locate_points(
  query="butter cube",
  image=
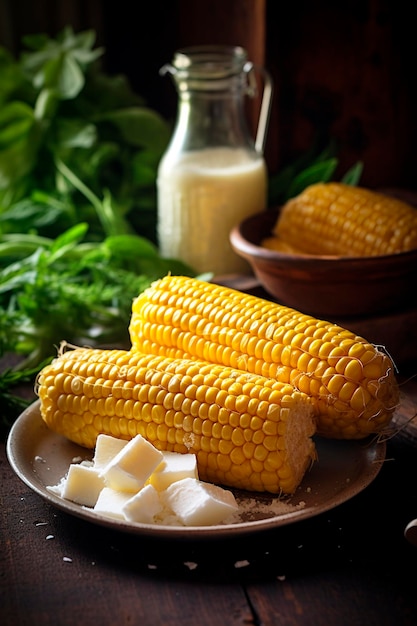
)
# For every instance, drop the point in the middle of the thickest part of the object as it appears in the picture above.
(197, 503)
(111, 502)
(82, 485)
(132, 466)
(144, 506)
(174, 467)
(106, 449)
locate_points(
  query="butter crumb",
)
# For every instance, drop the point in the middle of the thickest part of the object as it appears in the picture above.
(243, 563)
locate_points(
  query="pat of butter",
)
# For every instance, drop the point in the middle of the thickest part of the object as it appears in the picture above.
(132, 466)
(135, 482)
(197, 503)
(82, 485)
(111, 502)
(144, 506)
(174, 467)
(106, 449)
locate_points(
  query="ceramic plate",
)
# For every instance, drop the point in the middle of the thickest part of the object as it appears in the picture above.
(344, 468)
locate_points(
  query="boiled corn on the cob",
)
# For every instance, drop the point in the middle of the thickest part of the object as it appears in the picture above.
(338, 219)
(351, 383)
(246, 431)
(279, 245)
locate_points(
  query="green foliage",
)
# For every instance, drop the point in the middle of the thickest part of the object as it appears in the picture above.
(57, 106)
(79, 153)
(72, 289)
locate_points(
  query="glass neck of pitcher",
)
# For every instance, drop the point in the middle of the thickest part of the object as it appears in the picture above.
(211, 82)
(212, 117)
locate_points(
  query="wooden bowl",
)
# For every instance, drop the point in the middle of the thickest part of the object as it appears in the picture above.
(327, 286)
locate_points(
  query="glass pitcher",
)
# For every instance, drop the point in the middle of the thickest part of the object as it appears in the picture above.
(213, 174)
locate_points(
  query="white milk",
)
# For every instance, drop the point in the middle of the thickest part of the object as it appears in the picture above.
(201, 197)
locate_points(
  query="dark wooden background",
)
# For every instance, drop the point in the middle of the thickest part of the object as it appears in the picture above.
(342, 70)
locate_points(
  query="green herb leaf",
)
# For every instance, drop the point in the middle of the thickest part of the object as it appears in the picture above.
(353, 175)
(140, 127)
(60, 64)
(319, 172)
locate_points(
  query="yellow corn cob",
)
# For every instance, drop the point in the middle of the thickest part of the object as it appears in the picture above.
(338, 219)
(352, 383)
(247, 432)
(279, 245)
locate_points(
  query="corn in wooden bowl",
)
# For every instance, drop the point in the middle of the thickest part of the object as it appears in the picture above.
(328, 260)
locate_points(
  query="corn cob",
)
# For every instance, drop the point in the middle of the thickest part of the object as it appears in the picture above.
(246, 431)
(338, 219)
(352, 383)
(279, 245)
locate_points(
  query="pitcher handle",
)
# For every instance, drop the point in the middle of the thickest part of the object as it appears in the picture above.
(266, 103)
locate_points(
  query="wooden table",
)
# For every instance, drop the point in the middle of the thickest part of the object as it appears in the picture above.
(349, 566)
